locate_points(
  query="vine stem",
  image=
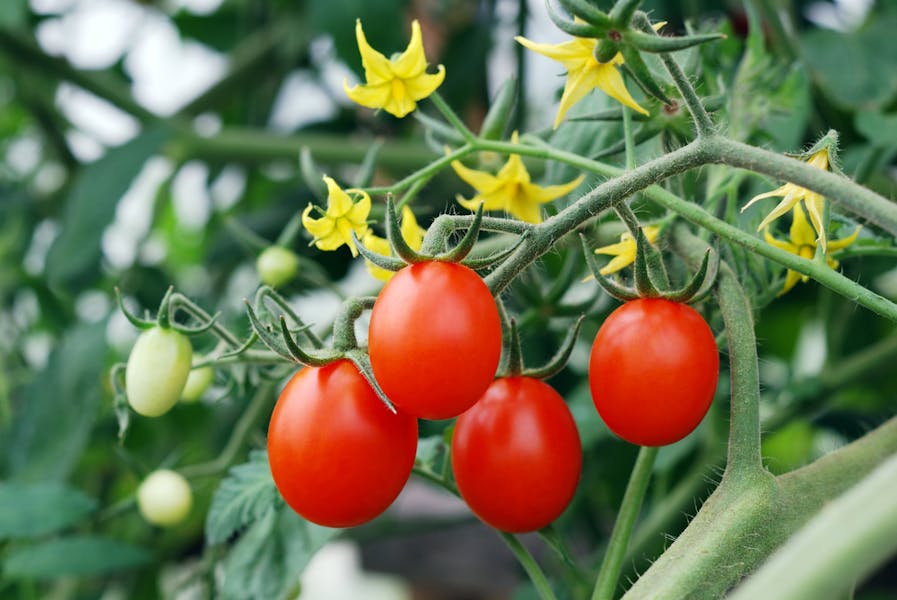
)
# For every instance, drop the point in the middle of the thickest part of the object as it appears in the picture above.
(609, 574)
(452, 117)
(529, 564)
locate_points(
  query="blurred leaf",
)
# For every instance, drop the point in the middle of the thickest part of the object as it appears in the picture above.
(58, 407)
(77, 555)
(789, 447)
(245, 496)
(90, 207)
(856, 69)
(431, 452)
(30, 510)
(268, 559)
(878, 128)
(13, 13)
(382, 22)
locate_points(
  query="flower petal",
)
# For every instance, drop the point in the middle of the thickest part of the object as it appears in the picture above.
(575, 89)
(573, 54)
(412, 62)
(411, 232)
(801, 232)
(790, 200)
(520, 206)
(845, 242)
(815, 204)
(318, 228)
(791, 279)
(609, 80)
(479, 180)
(542, 194)
(424, 84)
(377, 68)
(780, 244)
(371, 96)
(618, 263)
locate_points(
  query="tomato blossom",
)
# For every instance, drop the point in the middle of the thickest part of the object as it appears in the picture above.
(412, 233)
(803, 243)
(342, 217)
(792, 195)
(623, 252)
(510, 189)
(394, 85)
(584, 73)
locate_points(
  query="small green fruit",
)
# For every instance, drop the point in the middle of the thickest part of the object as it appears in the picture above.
(157, 371)
(277, 266)
(164, 498)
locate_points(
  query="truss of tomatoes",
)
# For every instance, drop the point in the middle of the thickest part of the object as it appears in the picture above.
(340, 457)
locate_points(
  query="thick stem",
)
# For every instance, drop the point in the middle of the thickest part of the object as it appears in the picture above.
(609, 574)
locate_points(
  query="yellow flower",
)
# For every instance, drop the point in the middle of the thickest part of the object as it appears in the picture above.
(342, 217)
(623, 252)
(584, 73)
(394, 85)
(803, 243)
(510, 190)
(411, 233)
(791, 197)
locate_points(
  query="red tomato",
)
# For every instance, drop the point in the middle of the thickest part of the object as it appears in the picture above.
(653, 371)
(435, 339)
(338, 455)
(516, 455)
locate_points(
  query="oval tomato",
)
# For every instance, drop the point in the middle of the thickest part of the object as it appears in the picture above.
(435, 339)
(516, 455)
(338, 455)
(653, 371)
(164, 498)
(157, 371)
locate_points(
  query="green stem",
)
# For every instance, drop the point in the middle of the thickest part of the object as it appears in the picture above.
(424, 173)
(529, 564)
(452, 117)
(609, 574)
(629, 138)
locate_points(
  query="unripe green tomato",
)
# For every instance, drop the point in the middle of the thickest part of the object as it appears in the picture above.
(277, 265)
(164, 498)
(198, 381)
(157, 371)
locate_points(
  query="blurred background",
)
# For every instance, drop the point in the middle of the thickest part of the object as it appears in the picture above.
(153, 143)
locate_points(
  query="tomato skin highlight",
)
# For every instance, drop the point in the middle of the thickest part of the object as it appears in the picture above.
(339, 457)
(516, 455)
(653, 371)
(434, 339)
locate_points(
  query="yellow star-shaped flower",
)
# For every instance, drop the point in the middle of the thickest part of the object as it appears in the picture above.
(803, 244)
(510, 189)
(623, 252)
(411, 233)
(792, 195)
(342, 217)
(394, 85)
(584, 73)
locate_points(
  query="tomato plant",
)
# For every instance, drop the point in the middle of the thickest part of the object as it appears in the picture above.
(157, 370)
(339, 457)
(516, 455)
(435, 339)
(276, 266)
(164, 498)
(653, 371)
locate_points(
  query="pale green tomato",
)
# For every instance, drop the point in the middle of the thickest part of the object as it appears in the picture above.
(164, 498)
(157, 371)
(198, 381)
(277, 265)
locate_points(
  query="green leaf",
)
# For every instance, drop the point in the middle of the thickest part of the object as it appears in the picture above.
(58, 407)
(878, 128)
(13, 13)
(29, 510)
(72, 556)
(247, 495)
(90, 207)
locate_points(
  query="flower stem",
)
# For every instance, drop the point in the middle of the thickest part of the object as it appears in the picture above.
(609, 574)
(452, 117)
(529, 564)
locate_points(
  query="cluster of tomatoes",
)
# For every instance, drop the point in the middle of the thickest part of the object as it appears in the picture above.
(340, 457)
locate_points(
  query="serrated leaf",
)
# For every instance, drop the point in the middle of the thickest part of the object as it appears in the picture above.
(90, 207)
(73, 556)
(59, 407)
(245, 496)
(29, 510)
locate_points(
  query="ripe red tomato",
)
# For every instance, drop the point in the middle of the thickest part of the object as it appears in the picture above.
(653, 371)
(516, 455)
(434, 339)
(338, 455)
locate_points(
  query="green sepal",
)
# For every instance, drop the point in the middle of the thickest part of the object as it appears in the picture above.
(513, 364)
(195, 330)
(643, 280)
(266, 334)
(362, 362)
(656, 269)
(651, 42)
(390, 263)
(164, 314)
(622, 12)
(636, 66)
(583, 30)
(499, 115)
(317, 359)
(588, 12)
(463, 248)
(312, 174)
(120, 399)
(613, 288)
(605, 50)
(132, 318)
(700, 284)
(557, 362)
(267, 292)
(253, 337)
(394, 235)
(368, 165)
(828, 142)
(344, 325)
(493, 259)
